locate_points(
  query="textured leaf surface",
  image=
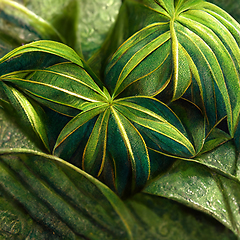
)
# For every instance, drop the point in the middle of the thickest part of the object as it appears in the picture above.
(11, 136)
(201, 188)
(159, 218)
(20, 25)
(73, 204)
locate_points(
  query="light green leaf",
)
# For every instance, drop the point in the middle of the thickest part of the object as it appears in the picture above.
(46, 46)
(95, 150)
(198, 187)
(19, 25)
(30, 114)
(159, 218)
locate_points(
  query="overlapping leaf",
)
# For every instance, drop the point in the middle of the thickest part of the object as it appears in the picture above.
(199, 187)
(30, 114)
(117, 136)
(63, 87)
(197, 46)
(59, 197)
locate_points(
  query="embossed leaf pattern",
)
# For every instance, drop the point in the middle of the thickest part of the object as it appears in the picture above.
(160, 116)
(203, 189)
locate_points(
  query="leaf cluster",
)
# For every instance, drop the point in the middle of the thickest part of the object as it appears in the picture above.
(155, 109)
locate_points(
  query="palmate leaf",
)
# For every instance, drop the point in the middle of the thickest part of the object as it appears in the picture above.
(112, 141)
(198, 46)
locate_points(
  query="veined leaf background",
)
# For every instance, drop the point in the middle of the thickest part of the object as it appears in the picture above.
(43, 197)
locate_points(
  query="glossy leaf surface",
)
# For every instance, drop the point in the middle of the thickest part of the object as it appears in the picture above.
(63, 87)
(198, 46)
(118, 136)
(31, 115)
(201, 188)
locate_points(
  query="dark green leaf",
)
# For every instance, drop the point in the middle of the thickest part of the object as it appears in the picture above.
(64, 87)
(193, 121)
(199, 44)
(61, 197)
(164, 132)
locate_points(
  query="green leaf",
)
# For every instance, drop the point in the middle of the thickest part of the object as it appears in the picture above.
(64, 87)
(193, 121)
(136, 148)
(95, 149)
(199, 45)
(215, 138)
(46, 46)
(160, 218)
(41, 26)
(221, 51)
(11, 136)
(115, 141)
(70, 137)
(164, 133)
(30, 114)
(203, 189)
(142, 58)
(73, 204)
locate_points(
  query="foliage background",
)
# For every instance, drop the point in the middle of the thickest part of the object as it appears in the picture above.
(157, 218)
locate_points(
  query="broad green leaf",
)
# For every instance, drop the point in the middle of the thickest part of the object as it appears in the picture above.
(115, 141)
(70, 137)
(199, 44)
(60, 197)
(159, 218)
(11, 136)
(215, 138)
(198, 187)
(30, 114)
(123, 28)
(143, 58)
(222, 158)
(64, 87)
(221, 52)
(160, 125)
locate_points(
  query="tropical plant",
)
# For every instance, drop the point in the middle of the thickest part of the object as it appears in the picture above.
(135, 136)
